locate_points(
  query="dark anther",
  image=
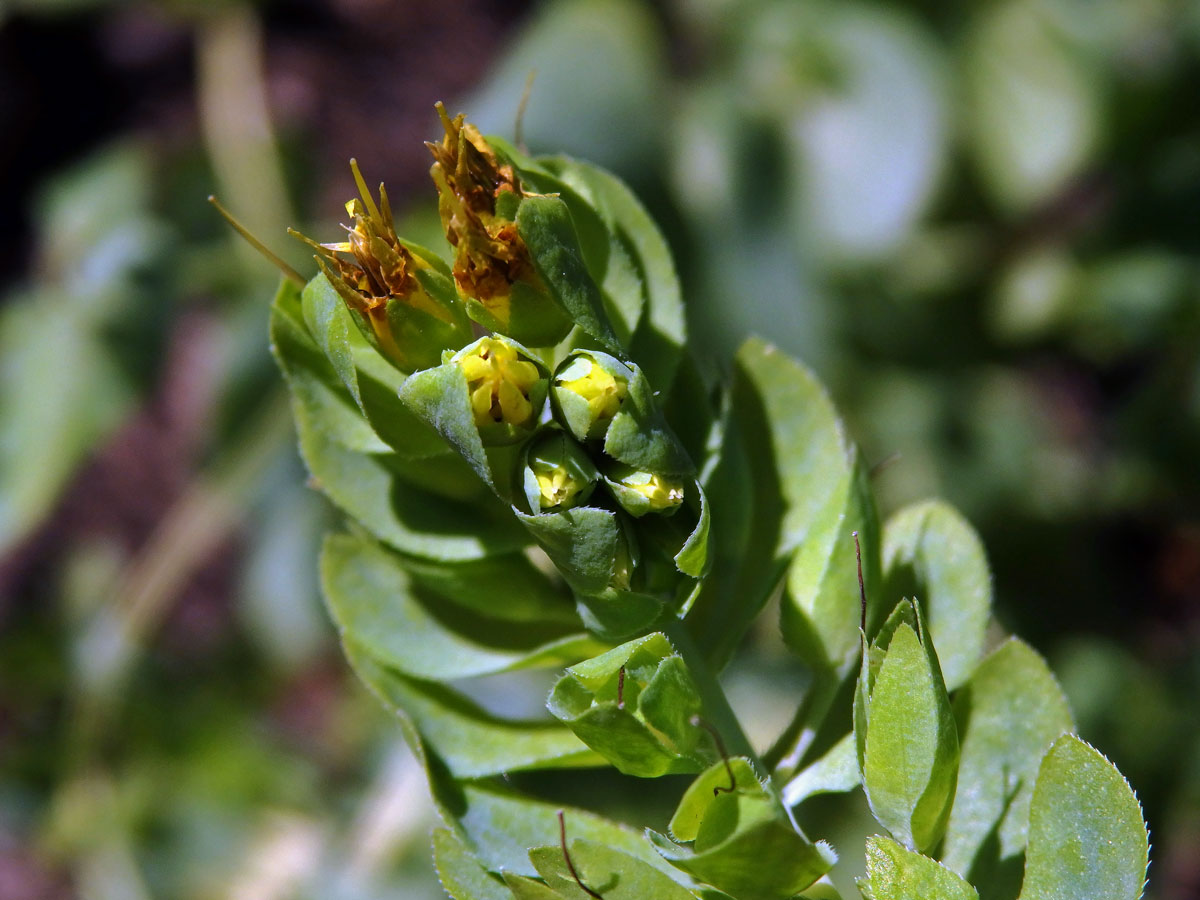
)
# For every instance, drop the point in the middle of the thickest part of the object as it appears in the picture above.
(698, 722)
(862, 590)
(562, 837)
(621, 688)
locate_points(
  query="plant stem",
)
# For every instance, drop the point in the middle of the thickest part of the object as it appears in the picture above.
(786, 754)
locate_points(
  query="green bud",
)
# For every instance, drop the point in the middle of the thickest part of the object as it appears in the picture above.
(640, 492)
(588, 390)
(634, 705)
(558, 474)
(904, 730)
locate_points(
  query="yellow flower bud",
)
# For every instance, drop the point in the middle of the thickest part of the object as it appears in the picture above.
(640, 492)
(589, 389)
(559, 474)
(500, 383)
(662, 493)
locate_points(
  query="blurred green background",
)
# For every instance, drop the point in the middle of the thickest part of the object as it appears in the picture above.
(978, 221)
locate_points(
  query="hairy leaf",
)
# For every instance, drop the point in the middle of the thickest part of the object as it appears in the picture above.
(910, 759)
(931, 552)
(894, 873)
(1009, 713)
(1086, 833)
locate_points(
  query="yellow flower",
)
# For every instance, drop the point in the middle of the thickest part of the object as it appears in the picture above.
(499, 382)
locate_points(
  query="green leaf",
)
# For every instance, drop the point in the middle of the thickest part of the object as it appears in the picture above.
(911, 752)
(611, 873)
(1035, 109)
(439, 398)
(639, 435)
(348, 462)
(633, 705)
(469, 740)
(894, 873)
(698, 799)
(825, 498)
(517, 590)
(582, 543)
(638, 262)
(788, 473)
(333, 329)
(931, 552)
(461, 874)
(1087, 837)
(500, 826)
(61, 393)
(742, 841)
(1009, 713)
(323, 355)
(376, 605)
(834, 773)
(527, 889)
(694, 558)
(545, 225)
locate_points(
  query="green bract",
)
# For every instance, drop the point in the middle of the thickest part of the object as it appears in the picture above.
(595, 514)
(907, 742)
(634, 705)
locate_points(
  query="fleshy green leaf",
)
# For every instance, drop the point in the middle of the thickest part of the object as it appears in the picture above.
(634, 705)
(1009, 713)
(527, 889)
(742, 842)
(911, 752)
(439, 397)
(638, 262)
(931, 552)
(639, 435)
(545, 225)
(517, 590)
(331, 327)
(834, 773)
(350, 464)
(1087, 837)
(500, 826)
(825, 499)
(894, 873)
(471, 741)
(324, 355)
(612, 874)
(788, 472)
(461, 874)
(377, 606)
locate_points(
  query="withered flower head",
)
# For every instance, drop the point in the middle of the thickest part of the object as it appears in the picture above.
(470, 179)
(372, 270)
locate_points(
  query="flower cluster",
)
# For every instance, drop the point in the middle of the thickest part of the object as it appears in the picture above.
(600, 448)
